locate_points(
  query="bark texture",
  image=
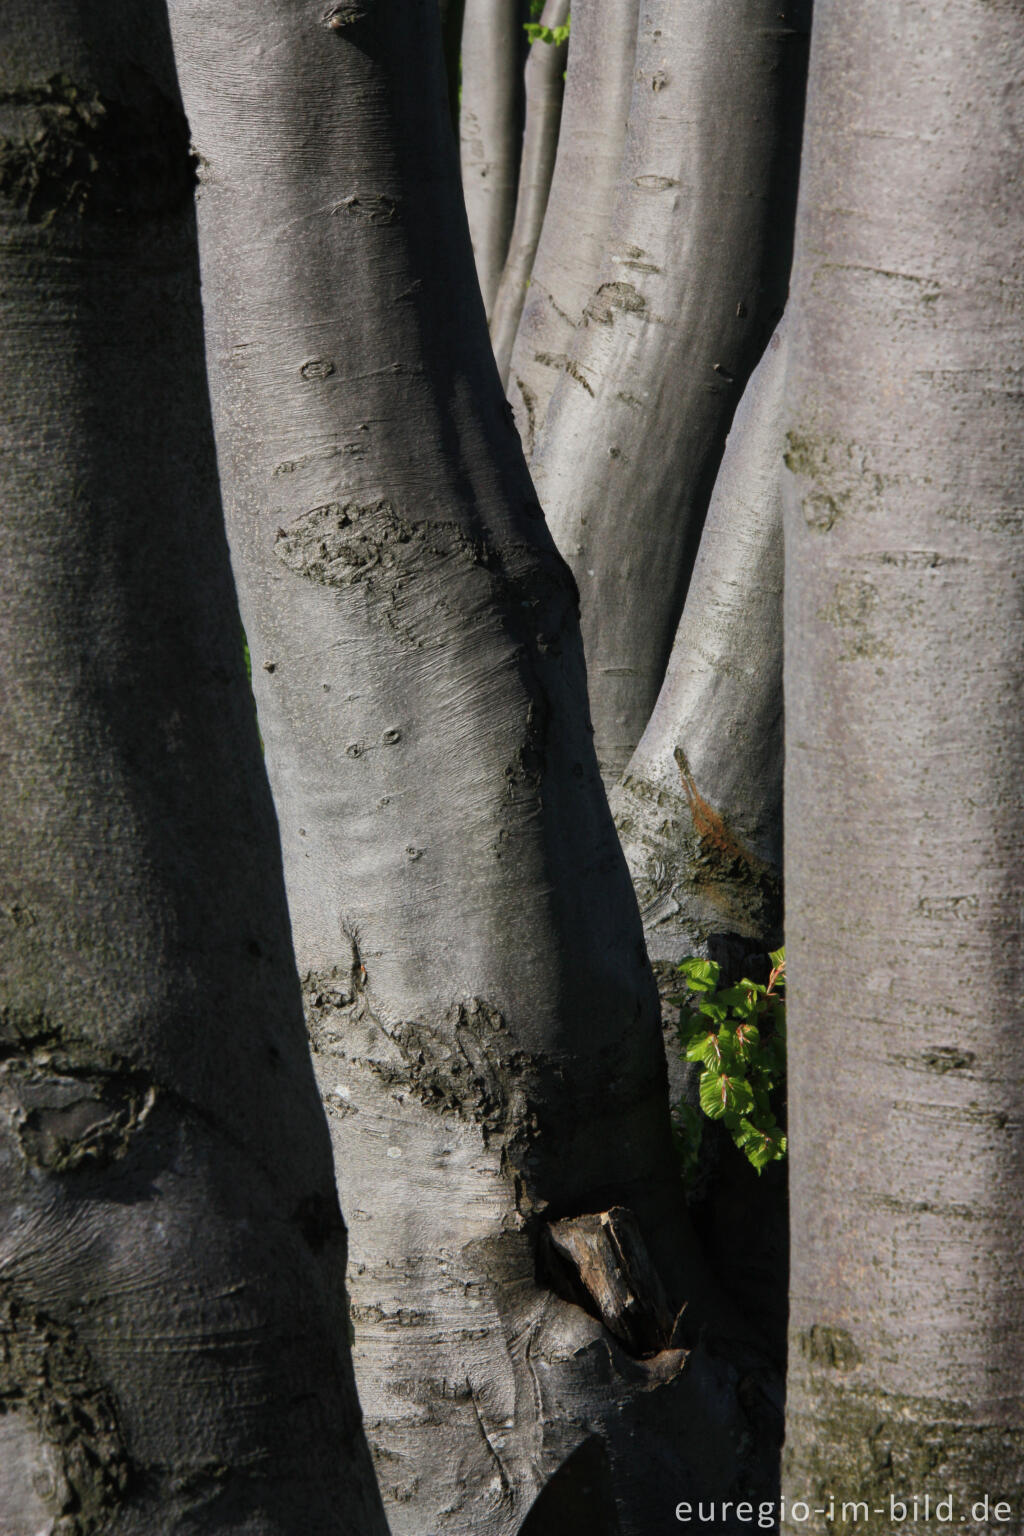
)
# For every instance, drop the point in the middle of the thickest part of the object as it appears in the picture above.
(693, 281)
(491, 119)
(484, 1019)
(905, 761)
(699, 807)
(699, 813)
(544, 77)
(173, 1350)
(598, 87)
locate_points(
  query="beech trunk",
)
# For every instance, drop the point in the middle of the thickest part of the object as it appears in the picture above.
(692, 283)
(491, 120)
(905, 765)
(545, 72)
(485, 1022)
(173, 1351)
(598, 86)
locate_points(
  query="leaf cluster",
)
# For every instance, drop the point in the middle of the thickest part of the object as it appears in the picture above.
(738, 1035)
(541, 34)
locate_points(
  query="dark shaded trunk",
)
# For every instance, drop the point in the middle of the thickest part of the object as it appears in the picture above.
(693, 281)
(584, 183)
(485, 1022)
(545, 70)
(172, 1303)
(905, 766)
(491, 120)
(452, 16)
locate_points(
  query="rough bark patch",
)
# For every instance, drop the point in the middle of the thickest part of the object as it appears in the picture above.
(46, 1373)
(860, 1443)
(65, 149)
(69, 1106)
(426, 580)
(610, 297)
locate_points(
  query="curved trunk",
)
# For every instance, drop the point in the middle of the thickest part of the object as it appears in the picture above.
(598, 86)
(699, 808)
(905, 761)
(171, 1253)
(699, 813)
(484, 1018)
(693, 281)
(491, 129)
(545, 71)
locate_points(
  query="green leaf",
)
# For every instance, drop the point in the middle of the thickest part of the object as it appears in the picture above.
(748, 1039)
(777, 956)
(704, 1047)
(701, 975)
(714, 1010)
(722, 1094)
(541, 34)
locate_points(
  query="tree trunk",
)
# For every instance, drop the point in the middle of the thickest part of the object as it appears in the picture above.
(699, 813)
(485, 1022)
(693, 281)
(699, 808)
(491, 129)
(545, 71)
(172, 1305)
(598, 86)
(905, 765)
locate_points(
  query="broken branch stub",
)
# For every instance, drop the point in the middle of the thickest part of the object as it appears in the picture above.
(601, 1263)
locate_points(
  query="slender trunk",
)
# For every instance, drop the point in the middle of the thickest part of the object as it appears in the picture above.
(598, 87)
(905, 765)
(452, 16)
(172, 1304)
(485, 1022)
(491, 129)
(699, 808)
(699, 813)
(693, 281)
(545, 71)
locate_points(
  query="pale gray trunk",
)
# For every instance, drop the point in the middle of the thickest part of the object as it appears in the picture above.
(491, 129)
(598, 87)
(485, 1022)
(173, 1352)
(905, 765)
(693, 281)
(545, 70)
(699, 807)
(699, 813)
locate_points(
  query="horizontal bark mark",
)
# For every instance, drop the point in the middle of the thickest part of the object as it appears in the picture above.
(427, 580)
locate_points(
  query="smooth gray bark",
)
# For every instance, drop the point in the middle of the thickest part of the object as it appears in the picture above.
(545, 71)
(485, 1022)
(173, 1351)
(693, 281)
(494, 51)
(699, 813)
(598, 87)
(905, 763)
(699, 807)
